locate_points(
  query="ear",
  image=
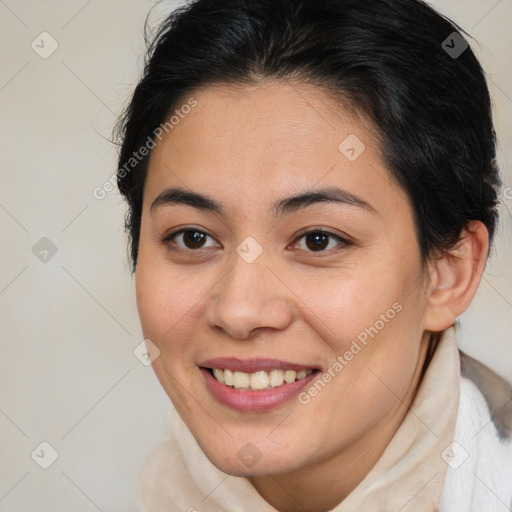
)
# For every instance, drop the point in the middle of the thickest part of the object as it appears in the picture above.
(454, 277)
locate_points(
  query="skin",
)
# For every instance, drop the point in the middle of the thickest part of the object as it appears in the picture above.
(247, 147)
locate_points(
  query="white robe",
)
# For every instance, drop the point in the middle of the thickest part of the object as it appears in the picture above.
(452, 453)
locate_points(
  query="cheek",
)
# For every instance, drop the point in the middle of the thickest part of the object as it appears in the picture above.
(165, 301)
(165, 305)
(343, 303)
(372, 319)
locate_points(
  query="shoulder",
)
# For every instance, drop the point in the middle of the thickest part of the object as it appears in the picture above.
(496, 391)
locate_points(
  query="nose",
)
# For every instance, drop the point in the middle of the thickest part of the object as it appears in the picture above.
(251, 296)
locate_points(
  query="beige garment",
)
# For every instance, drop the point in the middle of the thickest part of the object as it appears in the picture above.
(409, 476)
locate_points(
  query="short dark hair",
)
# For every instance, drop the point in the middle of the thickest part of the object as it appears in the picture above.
(386, 59)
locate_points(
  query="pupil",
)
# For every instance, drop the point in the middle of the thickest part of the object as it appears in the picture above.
(317, 237)
(194, 238)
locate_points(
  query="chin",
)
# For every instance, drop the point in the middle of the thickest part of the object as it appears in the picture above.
(250, 461)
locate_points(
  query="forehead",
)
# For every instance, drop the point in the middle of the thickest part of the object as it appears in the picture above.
(269, 140)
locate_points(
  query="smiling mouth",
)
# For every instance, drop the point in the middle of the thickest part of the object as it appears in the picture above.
(257, 381)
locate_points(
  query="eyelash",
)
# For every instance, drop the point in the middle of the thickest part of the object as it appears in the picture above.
(343, 242)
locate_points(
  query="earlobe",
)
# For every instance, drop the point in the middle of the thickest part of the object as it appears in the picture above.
(455, 276)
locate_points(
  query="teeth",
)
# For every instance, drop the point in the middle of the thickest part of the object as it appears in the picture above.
(259, 380)
(219, 375)
(228, 377)
(241, 380)
(276, 378)
(290, 375)
(301, 374)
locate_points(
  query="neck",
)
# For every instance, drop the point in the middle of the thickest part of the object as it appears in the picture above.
(322, 486)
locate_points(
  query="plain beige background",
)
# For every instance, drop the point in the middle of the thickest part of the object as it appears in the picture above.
(68, 320)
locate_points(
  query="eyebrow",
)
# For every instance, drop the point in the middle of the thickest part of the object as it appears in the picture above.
(281, 207)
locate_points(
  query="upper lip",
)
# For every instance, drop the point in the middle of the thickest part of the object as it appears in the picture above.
(253, 365)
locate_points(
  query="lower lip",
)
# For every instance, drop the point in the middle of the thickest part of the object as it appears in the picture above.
(254, 401)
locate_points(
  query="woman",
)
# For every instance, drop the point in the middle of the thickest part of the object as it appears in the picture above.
(312, 197)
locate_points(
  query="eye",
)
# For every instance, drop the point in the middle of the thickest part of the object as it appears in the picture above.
(191, 238)
(317, 240)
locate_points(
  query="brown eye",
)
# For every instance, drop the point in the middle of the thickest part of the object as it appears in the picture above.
(186, 240)
(319, 241)
(193, 239)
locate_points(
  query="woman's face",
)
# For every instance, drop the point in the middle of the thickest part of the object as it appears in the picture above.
(243, 289)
